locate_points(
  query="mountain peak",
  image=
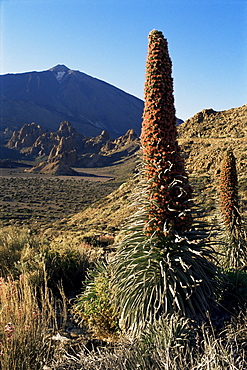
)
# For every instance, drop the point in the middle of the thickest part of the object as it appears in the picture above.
(60, 70)
(62, 94)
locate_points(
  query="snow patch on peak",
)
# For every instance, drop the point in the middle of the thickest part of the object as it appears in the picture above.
(59, 75)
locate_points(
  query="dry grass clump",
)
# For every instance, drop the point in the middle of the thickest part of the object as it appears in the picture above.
(28, 319)
(28, 251)
(14, 244)
(171, 344)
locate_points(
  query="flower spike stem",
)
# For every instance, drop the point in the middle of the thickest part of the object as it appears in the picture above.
(168, 190)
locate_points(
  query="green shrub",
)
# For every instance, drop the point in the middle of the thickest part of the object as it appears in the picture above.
(236, 288)
(67, 264)
(94, 306)
(24, 251)
(15, 243)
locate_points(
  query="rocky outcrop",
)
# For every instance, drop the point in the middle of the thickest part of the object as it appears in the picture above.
(209, 123)
(94, 144)
(31, 140)
(25, 137)
(65, 129)
(64, 152)
(126, 139)
(61, 157)
(120, 142)
(67, 148)
(55, 168)
(43, 145)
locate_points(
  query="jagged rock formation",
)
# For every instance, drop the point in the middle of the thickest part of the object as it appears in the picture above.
(26, 136)
(203, 138)
(65, 152)
(94, 144)
(33, 141)
(103, 144)
(65, 147)
(109, 150)
(116, 144)
(61, 157)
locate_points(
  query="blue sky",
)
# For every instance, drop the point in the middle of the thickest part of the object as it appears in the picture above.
(107, 39)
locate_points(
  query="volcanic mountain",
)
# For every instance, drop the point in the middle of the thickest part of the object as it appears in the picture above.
(60, 94)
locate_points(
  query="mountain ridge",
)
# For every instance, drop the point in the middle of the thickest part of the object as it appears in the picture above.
(60, 94)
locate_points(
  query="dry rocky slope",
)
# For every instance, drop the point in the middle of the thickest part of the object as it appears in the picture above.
(203, 139)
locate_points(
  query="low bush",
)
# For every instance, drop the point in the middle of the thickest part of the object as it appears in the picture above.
(26, 251)
(94, 306)
(15, 244)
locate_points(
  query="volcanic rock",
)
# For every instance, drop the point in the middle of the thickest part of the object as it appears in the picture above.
(26, 136)
(55, 168)
(64, 152)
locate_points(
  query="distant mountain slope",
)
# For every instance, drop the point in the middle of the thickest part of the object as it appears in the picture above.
(60, 94)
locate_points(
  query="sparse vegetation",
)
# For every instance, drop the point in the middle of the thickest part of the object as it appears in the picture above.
(75, 293)
(42, 200)
(233, 231)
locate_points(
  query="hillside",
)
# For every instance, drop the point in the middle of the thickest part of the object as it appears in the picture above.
(205, 137)
(60, 94)
(203, 152)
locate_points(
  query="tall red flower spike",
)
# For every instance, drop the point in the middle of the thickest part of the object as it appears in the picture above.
(229, 192)
(167, 182)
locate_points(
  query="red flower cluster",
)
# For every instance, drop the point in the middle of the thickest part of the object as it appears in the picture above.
(168, 189)
(9, 330)
(229, 191)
